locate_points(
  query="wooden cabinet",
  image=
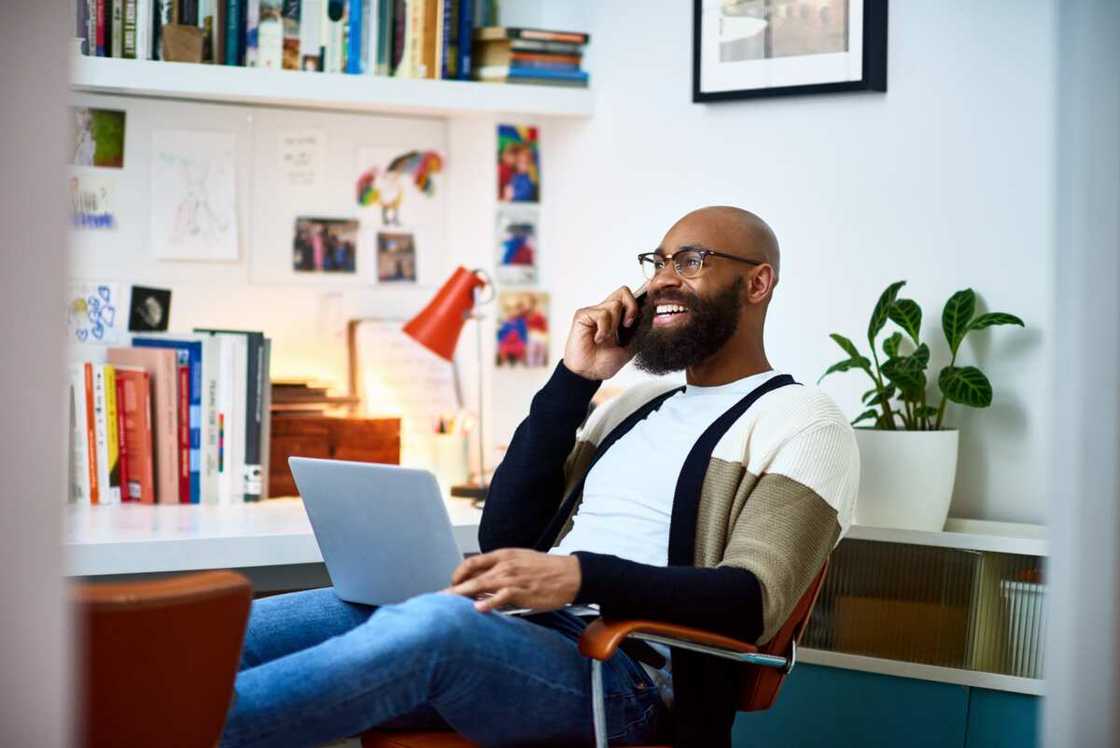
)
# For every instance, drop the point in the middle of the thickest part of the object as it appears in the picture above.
(329, 437)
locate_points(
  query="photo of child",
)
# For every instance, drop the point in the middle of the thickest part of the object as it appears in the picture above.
(522, 329)
(396, 257)
(516, 243)
(519, 178)
(325, 245)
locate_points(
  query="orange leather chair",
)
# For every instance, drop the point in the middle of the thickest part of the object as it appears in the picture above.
(157, 659)
(758, 685)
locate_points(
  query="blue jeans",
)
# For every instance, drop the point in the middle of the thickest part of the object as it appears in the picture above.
(315, 669)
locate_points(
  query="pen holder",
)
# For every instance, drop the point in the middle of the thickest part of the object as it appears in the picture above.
(450, 460)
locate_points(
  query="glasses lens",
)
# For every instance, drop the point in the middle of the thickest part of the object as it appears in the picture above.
(650, 265)
(688, 262)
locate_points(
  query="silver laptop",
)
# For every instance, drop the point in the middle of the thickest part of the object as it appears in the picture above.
(383, 530)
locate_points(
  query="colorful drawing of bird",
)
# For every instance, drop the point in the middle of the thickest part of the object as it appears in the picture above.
(385, 186)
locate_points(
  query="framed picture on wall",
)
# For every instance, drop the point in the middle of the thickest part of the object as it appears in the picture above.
(748, 48)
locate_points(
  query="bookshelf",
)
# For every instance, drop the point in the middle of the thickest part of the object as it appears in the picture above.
(323, 91)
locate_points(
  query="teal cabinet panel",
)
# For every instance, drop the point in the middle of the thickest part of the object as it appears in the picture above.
(997, 719)
(836, 708)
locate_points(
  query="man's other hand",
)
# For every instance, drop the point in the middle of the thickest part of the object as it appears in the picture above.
(518, 577)
(592, 350)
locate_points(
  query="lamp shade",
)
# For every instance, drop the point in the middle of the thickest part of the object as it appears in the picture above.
(438, 325)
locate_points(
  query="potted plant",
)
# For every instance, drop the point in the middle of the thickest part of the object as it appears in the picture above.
(908, 458)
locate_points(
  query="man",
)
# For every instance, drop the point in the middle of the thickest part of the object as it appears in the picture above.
(710, 505)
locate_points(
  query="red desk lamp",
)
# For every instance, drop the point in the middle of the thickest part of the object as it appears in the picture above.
(437, 327)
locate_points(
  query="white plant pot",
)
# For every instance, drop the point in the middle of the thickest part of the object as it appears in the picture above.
(906, 478)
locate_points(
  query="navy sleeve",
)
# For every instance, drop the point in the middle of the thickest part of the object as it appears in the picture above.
(724, 600)
(528, 486)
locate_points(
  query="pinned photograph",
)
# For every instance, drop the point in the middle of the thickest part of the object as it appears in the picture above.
(522, 329)
(325, 245)
(149, 309)
(97, 137)
(396, 257)
(519, 171)
(517, 246)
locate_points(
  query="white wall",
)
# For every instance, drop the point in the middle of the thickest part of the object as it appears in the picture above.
(34, 625)
(944, 181)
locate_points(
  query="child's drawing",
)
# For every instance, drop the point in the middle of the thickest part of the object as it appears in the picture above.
(194, 195)
(92, 313)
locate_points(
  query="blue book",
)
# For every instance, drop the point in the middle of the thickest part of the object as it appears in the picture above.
(190, 352)
(466, 36)
(235, 32)
(354, 41)
(518, 73)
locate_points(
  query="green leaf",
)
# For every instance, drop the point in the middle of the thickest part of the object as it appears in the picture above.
(873, 414)
(995, 318)
(890, 345)
(846, 365)
(882, 309)
(888, 393)
(870, 393)
(956, 316)
(927, 411)
(966, 385)
(908, 372)
(848, 346)
(908, 315)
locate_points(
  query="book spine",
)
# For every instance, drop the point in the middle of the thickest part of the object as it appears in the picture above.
(466, 34)
(384, 37)
(79, 442)
(184, 432)
(112, 434)
(355, 48)
(400, 38)
(443, 40)
(91, 27)
(91, 436)
(252, 32)
(130, 29)
(415, 41)
(311, 17)
(101, 435)
(167, 428)
(251, 477)
(118, 28)
(233, 31)
(101, 28)
(122, 441)
(266, 416)
(530, 65)
(369, 37)
(333, 33)
(81, 24)
(290, 18)
(143, 29)
(211, 360)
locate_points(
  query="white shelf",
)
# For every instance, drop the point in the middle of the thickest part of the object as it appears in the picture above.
(966, 534)
(146, 538)
(956, 676)
(329, 91)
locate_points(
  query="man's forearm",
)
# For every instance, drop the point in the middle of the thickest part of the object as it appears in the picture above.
(529, 484)
(725, 600)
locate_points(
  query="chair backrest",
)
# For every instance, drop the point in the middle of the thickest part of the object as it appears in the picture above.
(758, 686)
(157, 659)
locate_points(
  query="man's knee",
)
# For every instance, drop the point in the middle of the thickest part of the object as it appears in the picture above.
(438, 622)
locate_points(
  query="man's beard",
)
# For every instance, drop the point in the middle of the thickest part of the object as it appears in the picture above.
(711, 323)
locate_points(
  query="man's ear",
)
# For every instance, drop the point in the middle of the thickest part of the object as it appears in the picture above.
(760, 284)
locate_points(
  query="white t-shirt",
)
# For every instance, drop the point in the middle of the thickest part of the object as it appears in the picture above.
(628, 495)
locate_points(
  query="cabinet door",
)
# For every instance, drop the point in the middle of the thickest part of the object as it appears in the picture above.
(836, 708)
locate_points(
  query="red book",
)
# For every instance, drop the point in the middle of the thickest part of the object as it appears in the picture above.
(102, 36)
(91, 436)
(134, 403)
(184, 434)
(122, 441)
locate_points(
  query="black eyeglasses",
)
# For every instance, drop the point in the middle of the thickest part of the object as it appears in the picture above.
(688, 262)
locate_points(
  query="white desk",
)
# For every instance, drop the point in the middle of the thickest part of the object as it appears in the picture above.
(270, 541)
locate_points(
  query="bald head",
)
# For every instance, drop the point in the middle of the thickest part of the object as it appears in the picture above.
(735, 231)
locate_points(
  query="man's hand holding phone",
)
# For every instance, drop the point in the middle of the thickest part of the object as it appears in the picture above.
(593, 349)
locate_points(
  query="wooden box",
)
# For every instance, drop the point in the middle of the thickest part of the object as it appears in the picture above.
(329, 437)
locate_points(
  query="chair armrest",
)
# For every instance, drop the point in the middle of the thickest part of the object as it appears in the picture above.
(602, 637)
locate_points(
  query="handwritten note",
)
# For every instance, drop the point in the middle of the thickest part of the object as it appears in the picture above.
(301, 157)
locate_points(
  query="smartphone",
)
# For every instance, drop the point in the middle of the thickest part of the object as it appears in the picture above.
(626, 334)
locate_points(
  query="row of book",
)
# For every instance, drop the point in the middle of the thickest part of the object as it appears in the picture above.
(401, 38)
(174, 418)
